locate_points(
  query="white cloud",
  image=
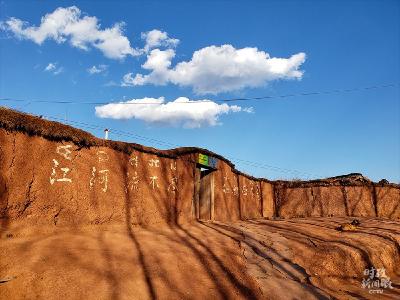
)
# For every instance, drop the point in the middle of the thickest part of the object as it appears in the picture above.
(217, 69)
(50, 67)
(83, 32)
(156, 38)
(97, 69)
(53, 68)
(159, 62)
(180, 112)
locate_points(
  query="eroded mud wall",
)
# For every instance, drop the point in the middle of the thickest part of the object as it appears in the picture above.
(311, 201)
(360, 201)
(268, 200)
(186, 187)
(293, 202)
(43, 181)
(328, 201)
(151, 183)
(226, 193)
(388, 202)
(250, 198)
(59, 183)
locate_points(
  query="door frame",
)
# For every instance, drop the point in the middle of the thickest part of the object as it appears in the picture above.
(196, 206)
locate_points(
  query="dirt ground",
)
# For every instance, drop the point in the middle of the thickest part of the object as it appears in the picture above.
(260, 259)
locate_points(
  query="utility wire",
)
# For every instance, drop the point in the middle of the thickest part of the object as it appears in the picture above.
(168, 144)
(159, 142)
(114, 131)
(273, 168)
(269, 97)
(163, 143)
(337, 91)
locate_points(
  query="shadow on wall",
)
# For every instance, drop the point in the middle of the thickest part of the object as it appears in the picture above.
(162, 194)
(4, 220)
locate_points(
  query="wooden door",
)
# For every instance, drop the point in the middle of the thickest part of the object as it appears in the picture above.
(205, 195)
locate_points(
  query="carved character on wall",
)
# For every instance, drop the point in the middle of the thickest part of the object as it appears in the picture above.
(172, 187)
(133, 181)
(53, 176)
(154, 163)
(153, 182)
(102, 155)
(134, 161)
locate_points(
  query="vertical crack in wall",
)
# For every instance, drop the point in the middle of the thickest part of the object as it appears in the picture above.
(55, 218)
(13, 154)
(375, 200)
(28, 198)
(276, 201)
(274, 210)
(346, 205)
(261, 198)
(279, 198)
(312, 202)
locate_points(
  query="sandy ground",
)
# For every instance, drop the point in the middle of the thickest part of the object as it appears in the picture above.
(260, 259)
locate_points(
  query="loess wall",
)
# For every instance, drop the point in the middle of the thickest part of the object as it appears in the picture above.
(250, 198)
(368, 200)
(388, 202)
(62, 183)
(226, 193)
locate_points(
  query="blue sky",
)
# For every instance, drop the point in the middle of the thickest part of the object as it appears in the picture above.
(319, 46)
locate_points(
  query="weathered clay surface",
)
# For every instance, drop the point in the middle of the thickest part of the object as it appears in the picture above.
(257, 259)
(294, 202)
(250, 198)
(329, 201)
(185, 191)
(388, 202)
(360, 201)
(59, 183)
(268, 203)
(226, 194)
(55, 174)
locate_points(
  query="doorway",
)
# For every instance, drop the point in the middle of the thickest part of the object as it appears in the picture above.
(204, 194)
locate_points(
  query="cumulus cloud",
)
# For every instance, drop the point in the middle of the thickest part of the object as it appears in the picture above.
(97, 69)
(156, 38)
(217, 69)
(83, 32)
(159, 62)
(180, 112)
(53, 68)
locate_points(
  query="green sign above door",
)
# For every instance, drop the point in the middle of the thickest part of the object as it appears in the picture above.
(207, 161)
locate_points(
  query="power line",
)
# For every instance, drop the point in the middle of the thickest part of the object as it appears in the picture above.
(168, 144)
(114, 131)
(268, 97)
(337, 91)
(273, 168)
